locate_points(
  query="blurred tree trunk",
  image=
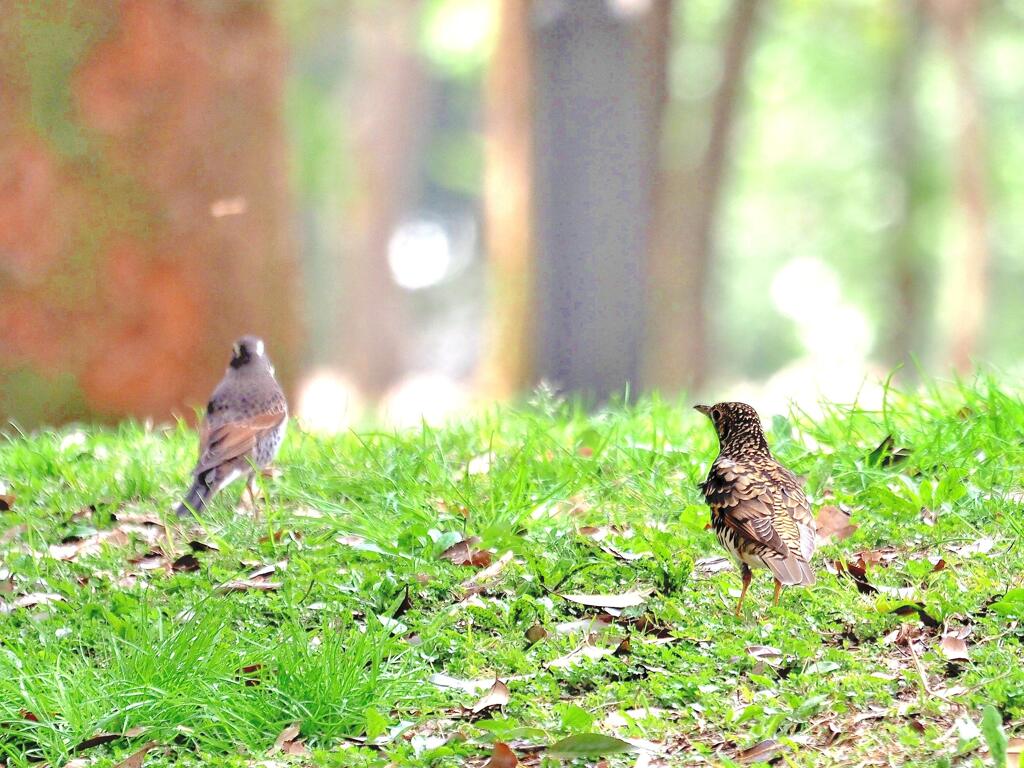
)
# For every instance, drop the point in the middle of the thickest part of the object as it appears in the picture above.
(957, 20)
(688, 195)
(508, 365)
(595, 132)
(389, 97)
(910, 270)
(144, 218)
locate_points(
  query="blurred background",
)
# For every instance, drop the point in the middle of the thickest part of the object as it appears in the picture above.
(426, 205)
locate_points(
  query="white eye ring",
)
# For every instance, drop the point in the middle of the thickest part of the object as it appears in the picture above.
(259, 348)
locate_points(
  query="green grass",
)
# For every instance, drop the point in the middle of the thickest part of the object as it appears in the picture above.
(366, 611)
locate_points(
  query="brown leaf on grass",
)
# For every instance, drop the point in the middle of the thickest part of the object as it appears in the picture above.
(201, 546)
(187, 563)
(954, 645)
(288, 741)
(762, 752)
(466, 552)
(594, 626)
(623, 600)
(73, 547)
(833, 524)
(153, 560)
(536, 633)
(980, 546)
(95, 741)
(586, 651)
(497, 696)
(130, 518)
(469, 686)
(502, 757)
(136, 758)
(766, 653)
(265, 570)
(490, 572)
(7, 502)
(249, 675)
(715, 564)
(31, 600)
(245, 585)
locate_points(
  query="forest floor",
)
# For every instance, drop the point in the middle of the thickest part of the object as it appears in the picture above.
(586, 613)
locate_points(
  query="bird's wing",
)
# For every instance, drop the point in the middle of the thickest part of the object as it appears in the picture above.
(794, 519)
(232, 439)
(741, 498)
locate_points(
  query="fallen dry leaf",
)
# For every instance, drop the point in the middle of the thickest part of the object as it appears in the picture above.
(95, 741)
(536, 633)
(715, 564)
(766, 653)
(626, 718)
(833, 524)
(762, 752)
(288, 741)
(136, 758)
(243, 585)
(490, 571)
(502, 757)
(585, 651)
(187, 563)
(497, 696)
(466, 552)
(31, 600)
(266, 570)
(623, 600)
(469, 686)
(7, 502)
(594, 626)
(954, 645)
(980, 547)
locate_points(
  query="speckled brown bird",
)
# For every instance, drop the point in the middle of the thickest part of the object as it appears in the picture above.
(758, 508)
(243, 428)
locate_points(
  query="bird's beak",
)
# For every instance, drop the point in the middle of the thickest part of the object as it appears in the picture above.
(705, 409)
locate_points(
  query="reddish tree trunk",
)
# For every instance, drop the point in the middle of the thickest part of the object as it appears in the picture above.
(143, 203)
(508, 364)
(389, 98)
(968, 279)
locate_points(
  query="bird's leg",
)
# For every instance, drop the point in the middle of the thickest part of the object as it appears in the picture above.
(778, 591)
(252, 496)
(746, 576)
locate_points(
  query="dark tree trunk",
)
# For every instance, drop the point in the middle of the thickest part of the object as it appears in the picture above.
(909, 267)
(144, 218)
(596, 136)
(688, 195)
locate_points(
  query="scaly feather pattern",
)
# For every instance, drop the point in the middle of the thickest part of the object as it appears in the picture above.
(759, 511)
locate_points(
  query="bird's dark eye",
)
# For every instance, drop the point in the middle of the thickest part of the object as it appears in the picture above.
(716, 414)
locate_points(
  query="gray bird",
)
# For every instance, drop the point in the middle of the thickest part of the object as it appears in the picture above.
(243, 428)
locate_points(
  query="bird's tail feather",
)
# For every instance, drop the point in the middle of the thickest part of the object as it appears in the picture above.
(790, 570)
(196, 498)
